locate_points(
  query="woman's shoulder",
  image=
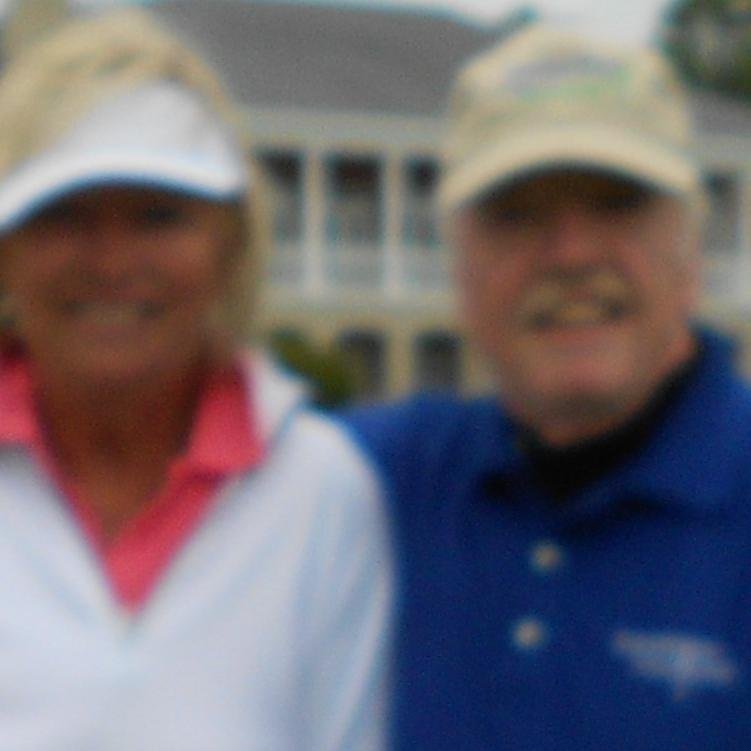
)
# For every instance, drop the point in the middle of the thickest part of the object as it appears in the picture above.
(303, 444)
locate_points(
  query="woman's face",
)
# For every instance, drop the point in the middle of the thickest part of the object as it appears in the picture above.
(119, 284)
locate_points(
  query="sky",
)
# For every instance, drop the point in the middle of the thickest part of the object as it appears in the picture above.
(630, 21)
(624, 20)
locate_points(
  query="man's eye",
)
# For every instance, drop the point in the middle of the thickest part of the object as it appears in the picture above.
(517, 214)
(508, 214)
(162, 215)
(512, 217)
(620, 202)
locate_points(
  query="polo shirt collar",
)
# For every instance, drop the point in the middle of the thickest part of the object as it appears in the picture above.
(688, 462)
(225, 439)
(19, 424)
(498, 452)
(225, 436)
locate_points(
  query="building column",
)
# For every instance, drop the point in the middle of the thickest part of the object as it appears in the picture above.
(314, 234)
(393, 207)
(399, 363)
(743, 288)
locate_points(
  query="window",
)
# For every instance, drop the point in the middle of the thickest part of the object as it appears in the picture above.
(354, 201)
(284, 171)
(722, 227)
(364, 353)
(419, 219)
(425, 259)
(437, 361)
(355, 250)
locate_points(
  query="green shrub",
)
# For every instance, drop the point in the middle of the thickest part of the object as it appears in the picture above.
(326, 371)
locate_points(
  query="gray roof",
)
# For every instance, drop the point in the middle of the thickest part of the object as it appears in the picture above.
(320, 55)
(348, 58)
(330, 57)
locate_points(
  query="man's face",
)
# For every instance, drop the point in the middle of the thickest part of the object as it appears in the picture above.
(578, 287)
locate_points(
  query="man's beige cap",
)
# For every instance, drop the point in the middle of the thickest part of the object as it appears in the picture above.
(547, 98)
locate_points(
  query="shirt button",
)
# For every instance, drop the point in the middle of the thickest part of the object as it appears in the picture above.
(546, 557)
(529, 634)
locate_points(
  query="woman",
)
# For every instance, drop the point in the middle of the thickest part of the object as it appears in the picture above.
(189, 558)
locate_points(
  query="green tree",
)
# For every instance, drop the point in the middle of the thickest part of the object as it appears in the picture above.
(710, 43)
(326, 372)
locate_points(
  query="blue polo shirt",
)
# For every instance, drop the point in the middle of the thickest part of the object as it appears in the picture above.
(620, 619)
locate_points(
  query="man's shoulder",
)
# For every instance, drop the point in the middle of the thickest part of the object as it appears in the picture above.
(719, 394)
(425, 408)
(413, 429)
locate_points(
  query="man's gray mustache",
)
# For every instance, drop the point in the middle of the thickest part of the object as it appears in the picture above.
(605, 289)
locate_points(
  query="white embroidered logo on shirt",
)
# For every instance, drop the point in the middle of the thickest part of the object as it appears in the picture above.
(685, 663)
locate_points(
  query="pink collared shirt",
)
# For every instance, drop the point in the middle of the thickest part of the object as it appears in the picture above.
(224, 442)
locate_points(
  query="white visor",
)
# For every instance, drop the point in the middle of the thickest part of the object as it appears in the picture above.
(158, 135)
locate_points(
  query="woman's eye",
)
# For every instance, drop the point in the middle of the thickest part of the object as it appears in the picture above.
(60, 214)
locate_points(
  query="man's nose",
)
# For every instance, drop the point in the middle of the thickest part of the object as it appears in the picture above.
(572, 238)
(112, 252)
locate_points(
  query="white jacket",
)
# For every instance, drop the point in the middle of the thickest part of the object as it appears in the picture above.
(267, 633)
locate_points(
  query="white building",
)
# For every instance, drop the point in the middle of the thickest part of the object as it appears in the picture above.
(345, 107)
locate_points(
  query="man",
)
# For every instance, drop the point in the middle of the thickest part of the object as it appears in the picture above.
(575, 553)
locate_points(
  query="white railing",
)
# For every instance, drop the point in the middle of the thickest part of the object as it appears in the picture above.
(354, 265)
(287, 265)
(363, 267)
(727, 275)
(727, 284)
(426, 268)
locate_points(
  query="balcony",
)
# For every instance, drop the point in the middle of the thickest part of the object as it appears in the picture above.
(354, 266)
(426, 268)
(287, 264)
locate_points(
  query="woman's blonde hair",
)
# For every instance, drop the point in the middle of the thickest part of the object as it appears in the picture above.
(51, 84)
